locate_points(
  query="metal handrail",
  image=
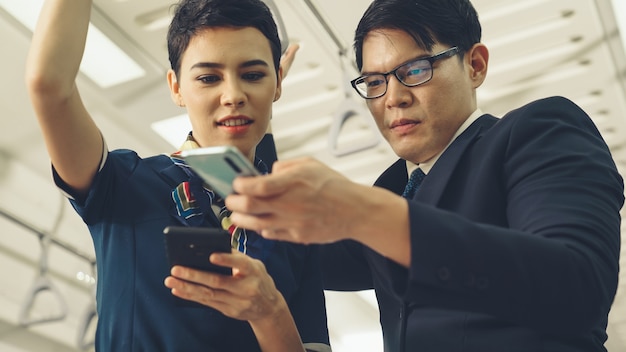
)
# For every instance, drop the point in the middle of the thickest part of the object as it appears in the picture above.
(282, 30)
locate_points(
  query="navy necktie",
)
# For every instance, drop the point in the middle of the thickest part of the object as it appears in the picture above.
(415, 180)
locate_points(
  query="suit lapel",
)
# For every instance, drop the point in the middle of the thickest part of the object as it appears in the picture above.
(433, 186)
(395, 177)
(430, 191)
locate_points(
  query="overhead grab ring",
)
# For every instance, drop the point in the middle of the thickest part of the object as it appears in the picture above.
(88, 319)
(43, 283)
(348, 108)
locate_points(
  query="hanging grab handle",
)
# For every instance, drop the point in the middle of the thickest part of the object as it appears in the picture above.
(43, 282)
(348, 108)
(85, 344)
(88, 318)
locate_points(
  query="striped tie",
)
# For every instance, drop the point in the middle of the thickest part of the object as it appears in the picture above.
(417, 176)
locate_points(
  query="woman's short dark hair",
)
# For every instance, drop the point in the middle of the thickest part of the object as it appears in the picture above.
(191, 16)
(451, 22)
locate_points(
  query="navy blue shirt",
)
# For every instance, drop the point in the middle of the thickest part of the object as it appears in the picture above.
(126, 210)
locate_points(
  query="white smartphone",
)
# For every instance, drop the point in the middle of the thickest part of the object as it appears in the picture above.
(218, 166)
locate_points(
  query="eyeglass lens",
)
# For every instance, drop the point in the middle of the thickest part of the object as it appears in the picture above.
(411, 74)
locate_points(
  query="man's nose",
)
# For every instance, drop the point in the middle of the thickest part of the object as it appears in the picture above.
(397, 93)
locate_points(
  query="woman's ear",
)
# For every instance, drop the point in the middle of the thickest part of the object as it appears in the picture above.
(172, 83)
(478, 59)
(285, 65)
(279, 84)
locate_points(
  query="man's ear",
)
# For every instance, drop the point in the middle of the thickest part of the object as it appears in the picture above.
(477, 59)
(172, 83)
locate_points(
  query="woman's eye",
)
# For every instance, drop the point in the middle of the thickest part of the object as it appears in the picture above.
(208, 79)
(253, 76)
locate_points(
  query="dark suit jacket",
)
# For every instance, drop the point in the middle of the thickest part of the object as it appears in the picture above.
(515, 237)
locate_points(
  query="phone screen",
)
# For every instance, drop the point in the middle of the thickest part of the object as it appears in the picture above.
(192, 247)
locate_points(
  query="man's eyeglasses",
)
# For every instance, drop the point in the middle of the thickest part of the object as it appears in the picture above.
(411, 74)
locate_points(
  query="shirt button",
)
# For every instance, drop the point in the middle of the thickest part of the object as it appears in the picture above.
(443, 273)
(470, 281)
(482, 283)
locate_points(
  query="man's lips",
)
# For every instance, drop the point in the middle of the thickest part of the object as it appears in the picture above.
(400, 122)
(403, 124)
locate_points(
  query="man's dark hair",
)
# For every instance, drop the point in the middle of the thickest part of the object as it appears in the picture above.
(191, 16)
(451, 22)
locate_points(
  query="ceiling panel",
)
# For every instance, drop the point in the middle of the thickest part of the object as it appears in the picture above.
(538, 48)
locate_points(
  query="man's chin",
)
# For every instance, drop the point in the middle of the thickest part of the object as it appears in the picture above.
(404, 150)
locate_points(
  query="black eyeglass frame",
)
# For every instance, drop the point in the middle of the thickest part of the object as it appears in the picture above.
(430, 59)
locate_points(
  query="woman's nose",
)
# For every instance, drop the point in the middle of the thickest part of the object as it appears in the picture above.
(233, 94)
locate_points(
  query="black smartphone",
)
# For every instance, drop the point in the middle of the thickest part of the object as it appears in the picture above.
(192, 246)
(218, 166)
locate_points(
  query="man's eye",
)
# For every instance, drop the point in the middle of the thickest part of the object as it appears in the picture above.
(375, 82)
(415, 72)
(417, 68)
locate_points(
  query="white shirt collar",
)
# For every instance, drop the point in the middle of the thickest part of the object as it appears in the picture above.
(426, 166)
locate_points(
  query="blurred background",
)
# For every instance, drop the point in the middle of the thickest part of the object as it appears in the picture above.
(573, 48)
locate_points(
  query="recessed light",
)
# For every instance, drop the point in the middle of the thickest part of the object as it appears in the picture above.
(103, 62)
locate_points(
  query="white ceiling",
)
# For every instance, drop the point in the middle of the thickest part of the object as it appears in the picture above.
(538, 48)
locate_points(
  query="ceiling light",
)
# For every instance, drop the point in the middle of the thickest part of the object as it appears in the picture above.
(103, 61)
(619, 9)
(155, 20)
(174, 129)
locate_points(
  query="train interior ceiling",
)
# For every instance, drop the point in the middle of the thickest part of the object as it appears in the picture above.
(539, 48)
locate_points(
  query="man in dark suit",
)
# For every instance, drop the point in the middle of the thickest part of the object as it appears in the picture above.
(511, 243)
